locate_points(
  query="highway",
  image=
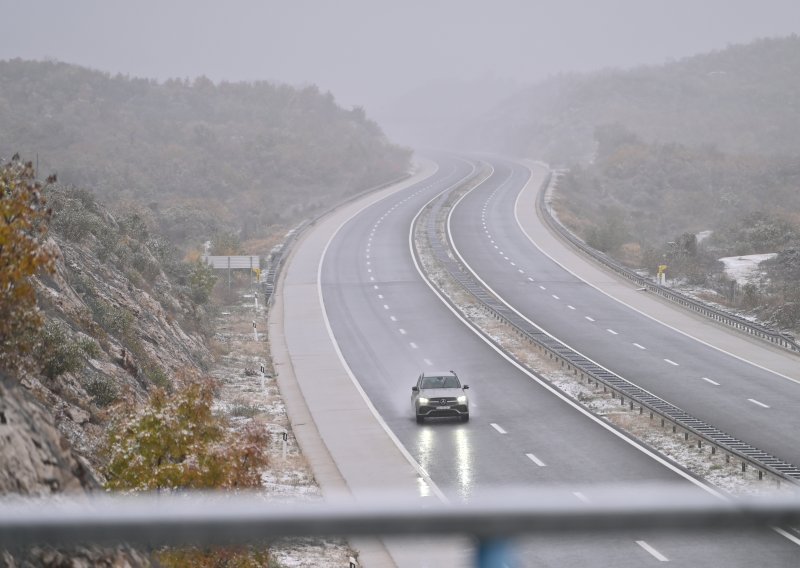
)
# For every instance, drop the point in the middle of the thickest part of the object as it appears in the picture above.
(389, 325)
(748, 402)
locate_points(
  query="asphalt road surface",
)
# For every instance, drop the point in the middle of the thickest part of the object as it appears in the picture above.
(389, 325)
(746, 401)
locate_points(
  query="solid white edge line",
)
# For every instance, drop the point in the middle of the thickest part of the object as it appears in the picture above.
(544, 252)
(656, 554)
(417, 467)
(635, 443)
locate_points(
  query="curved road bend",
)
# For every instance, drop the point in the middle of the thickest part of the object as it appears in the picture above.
(748, 402)
(389, 326)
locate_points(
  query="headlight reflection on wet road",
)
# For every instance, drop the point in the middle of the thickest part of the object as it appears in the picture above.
(462, 458)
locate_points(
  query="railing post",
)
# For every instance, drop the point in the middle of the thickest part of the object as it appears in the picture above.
(494, 553)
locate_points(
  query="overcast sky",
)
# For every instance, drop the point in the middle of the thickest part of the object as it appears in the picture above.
(370, 52)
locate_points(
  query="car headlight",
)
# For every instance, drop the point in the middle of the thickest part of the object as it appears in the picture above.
(423, 400)
(462, 399)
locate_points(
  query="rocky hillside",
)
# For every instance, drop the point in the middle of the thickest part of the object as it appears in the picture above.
(121, 314)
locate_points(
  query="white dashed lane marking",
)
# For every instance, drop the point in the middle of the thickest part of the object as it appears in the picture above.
(414, 345)
(402, 331)
(761, 404)
(498, 428)
(656, 554)
(706, 379)
(639, 346)
(589, 318)
(612, 332)
(556, 297)
(671, 362)
(536, 460)
(428, 362)
(392, 318)
(542, 287)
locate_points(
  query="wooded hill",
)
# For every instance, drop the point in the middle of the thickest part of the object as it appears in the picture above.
(742, 100)
(658, 155)
(254, 154)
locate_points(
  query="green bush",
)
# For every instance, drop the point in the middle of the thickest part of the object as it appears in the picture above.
(58, 353)
(201, 282)
(102, 391)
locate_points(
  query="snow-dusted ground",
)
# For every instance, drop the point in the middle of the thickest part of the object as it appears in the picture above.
(745, 269)
(245, 394)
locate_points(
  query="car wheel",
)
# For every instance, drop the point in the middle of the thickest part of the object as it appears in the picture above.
(420, 419)
(465, 418)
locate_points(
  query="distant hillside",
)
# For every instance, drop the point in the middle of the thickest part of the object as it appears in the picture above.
(254, 154)
(743, 99)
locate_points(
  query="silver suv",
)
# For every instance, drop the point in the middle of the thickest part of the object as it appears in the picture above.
(439, 394)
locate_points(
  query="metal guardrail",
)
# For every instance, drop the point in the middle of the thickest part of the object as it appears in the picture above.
(736, 322)
(591, 371)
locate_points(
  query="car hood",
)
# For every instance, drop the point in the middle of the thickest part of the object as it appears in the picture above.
(438, 393)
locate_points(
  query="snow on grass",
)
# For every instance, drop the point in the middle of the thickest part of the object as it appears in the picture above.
(745, 269)
(246, 395)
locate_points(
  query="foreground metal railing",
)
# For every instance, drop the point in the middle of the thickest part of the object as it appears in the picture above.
(736, 322)
(492, 518)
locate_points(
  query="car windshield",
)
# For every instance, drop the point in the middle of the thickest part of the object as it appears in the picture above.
(449, 382)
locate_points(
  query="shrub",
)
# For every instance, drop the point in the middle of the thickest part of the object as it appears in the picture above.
(58, 353)
(176, 442)
(201, 282)
(102, 391)
(24, 219)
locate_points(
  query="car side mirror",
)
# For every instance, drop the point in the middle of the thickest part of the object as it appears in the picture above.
(465, 387)
(415, 389)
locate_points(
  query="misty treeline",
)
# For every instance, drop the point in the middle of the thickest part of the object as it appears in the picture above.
(740, 100)
(654, 204)
(205, 157)
(660, 157)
